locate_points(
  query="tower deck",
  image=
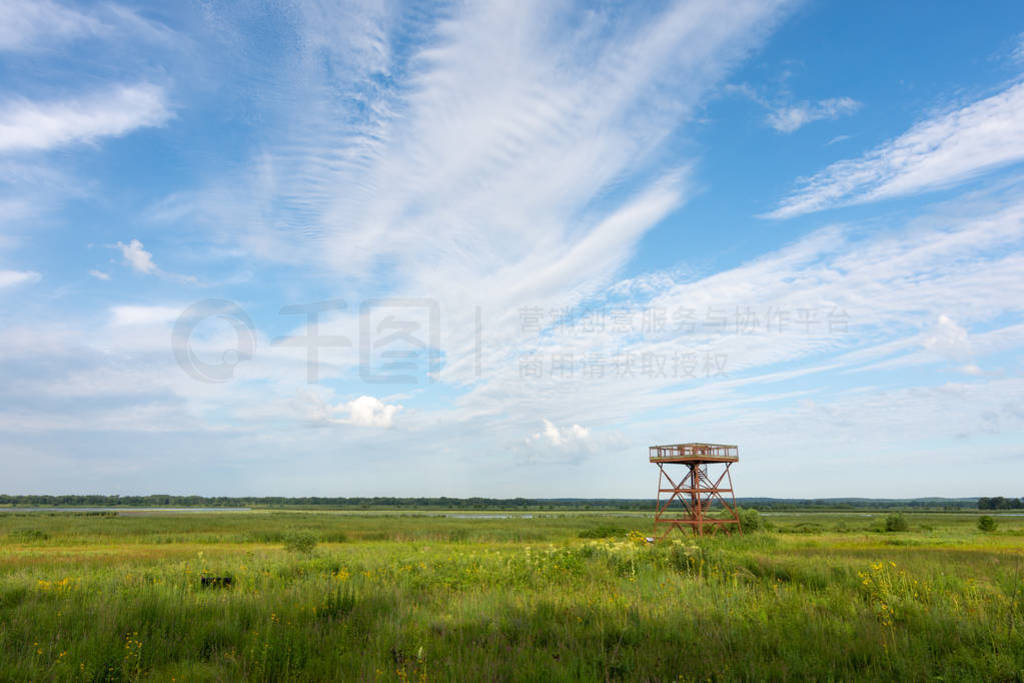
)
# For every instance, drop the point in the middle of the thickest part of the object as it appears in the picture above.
(694, 452)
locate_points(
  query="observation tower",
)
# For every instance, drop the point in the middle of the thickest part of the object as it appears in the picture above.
(696, 474)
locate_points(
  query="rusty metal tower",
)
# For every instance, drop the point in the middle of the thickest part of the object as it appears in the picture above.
(697, 487)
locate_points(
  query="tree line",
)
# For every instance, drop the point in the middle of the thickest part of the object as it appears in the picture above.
(479, 503)
(1000, 503)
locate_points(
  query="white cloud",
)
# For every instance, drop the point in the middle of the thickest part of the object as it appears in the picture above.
(137, 257)
(141, 261)
(368, 411)
(24, 24)
(144, 315)
(483, 160)
(99, 274)
(566, 437)
(935, 153)
(38, 25)
(949, 340)
(28, 125)
(314, 403)
(13, 278)
(787, 119)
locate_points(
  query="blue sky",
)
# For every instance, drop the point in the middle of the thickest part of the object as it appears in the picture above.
(535, 237)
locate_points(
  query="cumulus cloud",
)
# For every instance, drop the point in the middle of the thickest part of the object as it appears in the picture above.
(99, 274)
(565, 437)
(935, 153)
(28, 125)
(365, 411)
(368, 411)
(13, 278)
(141, 261)
(137, 257)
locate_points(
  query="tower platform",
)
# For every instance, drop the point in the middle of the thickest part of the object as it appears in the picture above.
(695, 452)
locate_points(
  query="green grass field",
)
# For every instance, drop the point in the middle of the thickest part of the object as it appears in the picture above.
(578, 596)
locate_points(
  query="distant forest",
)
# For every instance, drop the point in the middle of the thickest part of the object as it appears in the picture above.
(511, 504)
(1000, 503)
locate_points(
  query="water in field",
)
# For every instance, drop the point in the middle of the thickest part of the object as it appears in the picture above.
(120, 510)
(465, 515)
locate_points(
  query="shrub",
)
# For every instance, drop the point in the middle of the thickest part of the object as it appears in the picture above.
(300, 542)
(28, 535)
(603, 531)
(896, 522)
(750, 519)
(987, 523)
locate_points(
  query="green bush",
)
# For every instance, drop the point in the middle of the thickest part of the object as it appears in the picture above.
(896, 522)
(750, 519)
(603, 531)
(987, 523)
(28, 535)
(300, 542)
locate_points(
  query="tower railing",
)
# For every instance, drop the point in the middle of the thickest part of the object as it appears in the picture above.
(694, 451)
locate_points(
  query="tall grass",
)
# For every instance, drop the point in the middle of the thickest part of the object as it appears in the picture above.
(425, 598)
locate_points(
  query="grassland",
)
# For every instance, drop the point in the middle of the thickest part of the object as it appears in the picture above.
(407, 597)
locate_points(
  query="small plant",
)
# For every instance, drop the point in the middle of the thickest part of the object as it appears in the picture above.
(636, 538)
(300, 542)
(987, 523)
(340, 602)
(896, 522)
(891, 591)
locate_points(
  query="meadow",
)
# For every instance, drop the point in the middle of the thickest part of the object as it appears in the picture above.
(348, 596)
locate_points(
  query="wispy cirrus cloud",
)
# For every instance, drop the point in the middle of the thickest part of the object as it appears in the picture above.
(24, 24)
(789, 118)
(27, 125)
(481, 141)
(937, 152)
(13, 278)
(34, 26)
